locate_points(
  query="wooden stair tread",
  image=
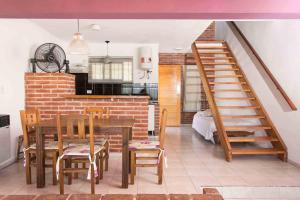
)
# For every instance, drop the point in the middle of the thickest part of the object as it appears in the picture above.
(211, 47)
(209, 58)
(226, 83)
(229, 90)
(253, 139)
(234, 98)
(214, 52)
(221, 69)
(224, 76)
(218, 63)
(239, 107)
(209, 41)
(242, 116)
(239, 133)
(236, 128)
(257, 151)
(215, 58)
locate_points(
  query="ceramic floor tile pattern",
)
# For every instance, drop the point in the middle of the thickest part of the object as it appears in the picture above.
(192, 164)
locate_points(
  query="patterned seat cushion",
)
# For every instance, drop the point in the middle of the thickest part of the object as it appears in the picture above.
(143, 144)
(81, 149)
(49, 145)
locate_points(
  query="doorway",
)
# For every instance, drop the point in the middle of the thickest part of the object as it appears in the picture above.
(169, 92)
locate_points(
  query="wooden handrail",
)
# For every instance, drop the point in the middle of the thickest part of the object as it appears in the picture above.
(233, 26)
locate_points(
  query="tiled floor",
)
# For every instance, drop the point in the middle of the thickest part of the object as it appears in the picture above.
(192, 163)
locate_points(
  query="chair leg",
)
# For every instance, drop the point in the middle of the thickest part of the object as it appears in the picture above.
(106, 155)
(28, 167)
(132, 166)
(76, 174)
(101, 165)
(98, 168)
(54, 160)
(61, 177)
(160, 170)
(92, 180)
(20, 142)
(69, 165)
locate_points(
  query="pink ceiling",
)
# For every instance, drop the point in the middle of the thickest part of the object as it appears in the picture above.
(154, 9)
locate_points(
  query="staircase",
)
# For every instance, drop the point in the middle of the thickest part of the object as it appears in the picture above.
(235, 107)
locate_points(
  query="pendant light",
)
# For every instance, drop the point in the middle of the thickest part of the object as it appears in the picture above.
(78, 46)
(107, 58)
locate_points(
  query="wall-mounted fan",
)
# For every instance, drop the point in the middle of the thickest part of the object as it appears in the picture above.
(50, 57)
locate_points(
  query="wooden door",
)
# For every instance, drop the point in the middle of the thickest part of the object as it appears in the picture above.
(169, 92)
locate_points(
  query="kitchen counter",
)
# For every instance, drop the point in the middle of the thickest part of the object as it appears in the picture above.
(106, 97)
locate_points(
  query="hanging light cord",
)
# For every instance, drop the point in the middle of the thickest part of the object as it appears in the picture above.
(107, 42)
(77, 25)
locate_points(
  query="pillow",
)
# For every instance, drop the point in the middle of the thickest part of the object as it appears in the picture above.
(207, 113)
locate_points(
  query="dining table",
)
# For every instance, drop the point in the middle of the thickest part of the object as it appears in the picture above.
(124, 124)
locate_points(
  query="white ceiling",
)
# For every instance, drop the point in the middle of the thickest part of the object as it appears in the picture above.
(169, 34)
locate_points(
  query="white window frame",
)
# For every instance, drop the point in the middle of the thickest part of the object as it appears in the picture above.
(197, 93)
(107, 72)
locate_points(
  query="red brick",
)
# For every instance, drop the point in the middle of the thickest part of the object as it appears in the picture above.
(50, 100)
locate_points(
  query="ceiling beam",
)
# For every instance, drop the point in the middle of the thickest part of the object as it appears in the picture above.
(151, 9)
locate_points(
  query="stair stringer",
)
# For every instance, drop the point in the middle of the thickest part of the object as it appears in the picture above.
(212, 104)
(279, 145)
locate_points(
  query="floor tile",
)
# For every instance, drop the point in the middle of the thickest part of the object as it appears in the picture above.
(19, 197)
(192, 165)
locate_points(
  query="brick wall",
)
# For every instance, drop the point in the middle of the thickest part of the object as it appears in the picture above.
(47, 92)
(209, 33)
(171, 58)
(187, 117)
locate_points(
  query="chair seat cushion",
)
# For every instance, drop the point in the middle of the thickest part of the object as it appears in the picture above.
(143, 144)
(81, 149)
(49, 145)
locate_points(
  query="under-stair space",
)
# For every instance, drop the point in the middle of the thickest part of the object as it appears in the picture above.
(235, 107)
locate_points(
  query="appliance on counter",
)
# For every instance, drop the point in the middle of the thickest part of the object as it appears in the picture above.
(4, 140)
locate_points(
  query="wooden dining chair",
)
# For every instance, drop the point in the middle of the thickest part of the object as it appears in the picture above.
(80, 149)
(29, 119)
(101, 113)
(149, 150)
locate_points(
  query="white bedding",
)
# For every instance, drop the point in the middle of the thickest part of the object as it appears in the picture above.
(204, 124)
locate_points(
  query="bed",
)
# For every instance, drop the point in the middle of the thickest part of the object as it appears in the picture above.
(204, 124)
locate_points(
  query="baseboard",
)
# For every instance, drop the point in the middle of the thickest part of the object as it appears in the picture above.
(294, 163)
(7, 162)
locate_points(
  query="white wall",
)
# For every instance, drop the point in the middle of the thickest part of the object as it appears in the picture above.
(121, 49)
(278, 44)
(18, 40)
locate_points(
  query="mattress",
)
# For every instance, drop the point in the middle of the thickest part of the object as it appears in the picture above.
(204, 125)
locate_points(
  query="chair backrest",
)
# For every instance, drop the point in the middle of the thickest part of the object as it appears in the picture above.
(98, 112)
(29, 119)
(72, 122)
(162, 128)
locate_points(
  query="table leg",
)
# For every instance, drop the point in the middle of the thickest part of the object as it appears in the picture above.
(125, 156)
(40, 159)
